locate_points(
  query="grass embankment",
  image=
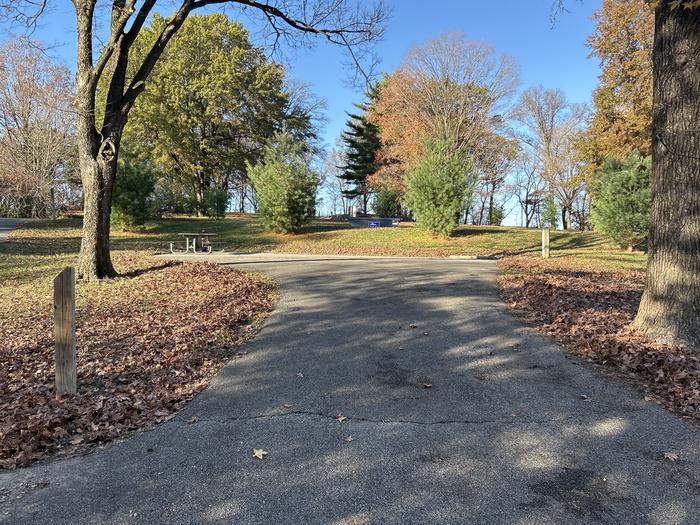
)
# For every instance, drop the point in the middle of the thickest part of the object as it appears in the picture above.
(246, 234)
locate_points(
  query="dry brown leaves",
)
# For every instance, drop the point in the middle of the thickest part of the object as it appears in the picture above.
(147, 343)
(588, 310)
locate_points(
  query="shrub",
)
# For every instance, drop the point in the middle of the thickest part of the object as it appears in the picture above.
(496, 215)
(622, 200)
(387, 203)
(170, 198)
(550, 213)
(438, 186)
(285, 185)
(132, 195)
(215, 202)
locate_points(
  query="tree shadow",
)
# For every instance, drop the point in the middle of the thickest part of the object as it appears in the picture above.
(502, 434)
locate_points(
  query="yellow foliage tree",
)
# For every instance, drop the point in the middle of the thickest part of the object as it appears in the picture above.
(621, 123)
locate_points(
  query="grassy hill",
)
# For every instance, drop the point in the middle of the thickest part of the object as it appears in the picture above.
(42, 246)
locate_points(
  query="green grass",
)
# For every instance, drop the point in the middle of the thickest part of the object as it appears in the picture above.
(41, 247)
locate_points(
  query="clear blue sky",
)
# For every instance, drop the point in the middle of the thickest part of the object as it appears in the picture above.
(555, 57)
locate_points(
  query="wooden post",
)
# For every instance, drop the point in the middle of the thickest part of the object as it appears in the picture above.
(545, 243)
(53, 204)
(64, 331)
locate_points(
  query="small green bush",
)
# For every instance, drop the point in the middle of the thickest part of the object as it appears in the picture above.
(215, 202)
(438, 186)
(387, 203)
(285, 185)
(550, 213)
(169, 198)
(132, 195)
(496, 215)
(622, 200)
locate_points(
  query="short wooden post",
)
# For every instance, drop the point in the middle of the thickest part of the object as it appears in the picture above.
(64, 331)
(545, 243)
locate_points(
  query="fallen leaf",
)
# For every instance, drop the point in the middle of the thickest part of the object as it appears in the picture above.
(427, 385)
(192, 420)
(300, 375)
(287, 405)
(259, 453)
(584, 397)
(340, 418)
(348, 439)
(671, 456)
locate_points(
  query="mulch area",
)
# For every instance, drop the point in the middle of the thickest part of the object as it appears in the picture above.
(147, 343)
(588, 309)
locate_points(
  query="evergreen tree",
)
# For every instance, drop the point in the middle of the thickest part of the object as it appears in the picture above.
(361, 142)
(550, 213)
(285, 184)
(133, 192)
(438, 186)
(622, 204)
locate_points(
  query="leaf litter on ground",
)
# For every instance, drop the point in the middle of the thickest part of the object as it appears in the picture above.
(589, 309)
(146, 344)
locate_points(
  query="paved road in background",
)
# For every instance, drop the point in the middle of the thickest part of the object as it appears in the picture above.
(7, 225)
(503, 435)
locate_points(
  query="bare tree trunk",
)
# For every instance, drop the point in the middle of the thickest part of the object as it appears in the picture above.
(565, 218)
(670, 307)
(98, 167)
(241, 198)
(94, 261)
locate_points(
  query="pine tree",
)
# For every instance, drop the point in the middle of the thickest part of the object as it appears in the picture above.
(361, 142)
(622, 204)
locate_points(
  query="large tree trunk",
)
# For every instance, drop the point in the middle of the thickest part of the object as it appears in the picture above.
(670, 307)
(98, 166)
(94, 261)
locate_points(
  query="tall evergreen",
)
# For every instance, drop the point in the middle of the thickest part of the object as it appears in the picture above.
(361, 143)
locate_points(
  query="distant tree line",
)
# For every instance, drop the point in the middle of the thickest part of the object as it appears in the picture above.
(38, 171)
(538, 157)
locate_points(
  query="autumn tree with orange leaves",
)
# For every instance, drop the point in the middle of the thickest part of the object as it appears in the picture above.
(621, 123)
(448, 89)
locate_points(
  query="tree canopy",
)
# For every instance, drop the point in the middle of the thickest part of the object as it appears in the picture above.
(621, 120)
(211, 103)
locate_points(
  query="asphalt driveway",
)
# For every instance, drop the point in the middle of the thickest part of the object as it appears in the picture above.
(452, 412)
(7, 225)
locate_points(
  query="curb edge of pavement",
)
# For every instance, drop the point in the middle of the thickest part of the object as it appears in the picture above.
(292, 256)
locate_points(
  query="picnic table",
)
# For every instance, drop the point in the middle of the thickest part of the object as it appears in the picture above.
(196, 242)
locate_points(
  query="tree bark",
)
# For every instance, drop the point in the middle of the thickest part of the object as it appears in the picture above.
(94, 261)
(670, 306)
(565, 218)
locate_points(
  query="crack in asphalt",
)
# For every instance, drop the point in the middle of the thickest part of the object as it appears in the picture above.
(514, 419)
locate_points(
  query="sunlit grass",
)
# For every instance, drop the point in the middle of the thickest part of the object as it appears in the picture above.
(40, 248)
